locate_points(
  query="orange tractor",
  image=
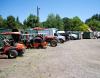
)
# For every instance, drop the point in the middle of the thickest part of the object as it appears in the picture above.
(33, 42)
(49, 39)
(9, 47)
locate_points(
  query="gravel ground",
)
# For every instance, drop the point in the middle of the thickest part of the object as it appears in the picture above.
(73, 59)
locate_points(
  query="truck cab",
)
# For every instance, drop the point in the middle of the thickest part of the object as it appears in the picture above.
(53, 32)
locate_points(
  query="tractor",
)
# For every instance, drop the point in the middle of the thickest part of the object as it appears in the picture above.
(49, 39)
(9, 47)
(33, 42)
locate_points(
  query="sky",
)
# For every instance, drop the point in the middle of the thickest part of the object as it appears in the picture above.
(65, 8)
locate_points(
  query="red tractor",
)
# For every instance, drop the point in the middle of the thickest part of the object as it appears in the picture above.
(33, 42)
(8, 47)
(33, 39)
(49, 39)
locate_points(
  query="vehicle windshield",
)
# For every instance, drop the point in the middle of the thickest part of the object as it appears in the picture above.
(58, 34)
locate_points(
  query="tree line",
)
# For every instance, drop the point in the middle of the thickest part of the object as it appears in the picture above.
(53, 21)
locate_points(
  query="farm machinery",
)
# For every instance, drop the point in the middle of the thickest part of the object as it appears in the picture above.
(9, 47)
(33, 42)
(49, 39)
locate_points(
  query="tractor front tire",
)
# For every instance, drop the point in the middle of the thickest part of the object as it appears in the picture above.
(12, 54)
(53, 43)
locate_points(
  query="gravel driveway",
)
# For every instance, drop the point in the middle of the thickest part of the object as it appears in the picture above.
(73, 59)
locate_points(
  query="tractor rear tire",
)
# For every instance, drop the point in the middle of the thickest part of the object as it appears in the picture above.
(12, 54)
(53, 43)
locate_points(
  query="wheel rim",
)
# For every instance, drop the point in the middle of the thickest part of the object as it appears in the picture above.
(53, 44)
(12, 54)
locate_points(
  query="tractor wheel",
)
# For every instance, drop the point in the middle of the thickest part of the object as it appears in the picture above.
(20, 53)
(61, 40)
(12, 54)
(53, 43)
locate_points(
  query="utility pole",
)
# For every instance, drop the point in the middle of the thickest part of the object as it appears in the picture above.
(38, 14)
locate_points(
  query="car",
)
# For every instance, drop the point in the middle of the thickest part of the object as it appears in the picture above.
(60, 38)
(73, 36)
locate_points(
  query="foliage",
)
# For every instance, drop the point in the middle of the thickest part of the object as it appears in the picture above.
(11, 22)
(59, 22)
(94, 22)
(4, 24)
(18, 23)
(67, 23)
(1, 21)
(84, 27)
(31, 21)
(53, 21)
(74, 24)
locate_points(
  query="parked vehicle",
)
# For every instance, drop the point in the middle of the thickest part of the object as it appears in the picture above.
(73, 36)
(65, 34)
(53, 32)
(51, 40)
(34, 42)
(43, 32)
(60, 38)
(88, 35)
(8, 47)
(48, 38)
(96, 34)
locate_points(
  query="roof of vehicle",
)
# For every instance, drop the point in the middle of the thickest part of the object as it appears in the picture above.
(60, 31)
(9, 33)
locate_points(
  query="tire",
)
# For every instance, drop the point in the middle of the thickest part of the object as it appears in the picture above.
(61, 40)
(12, 54)
(53, 43)
(20, 54)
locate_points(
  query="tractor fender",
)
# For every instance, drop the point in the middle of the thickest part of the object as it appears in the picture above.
(7, 49)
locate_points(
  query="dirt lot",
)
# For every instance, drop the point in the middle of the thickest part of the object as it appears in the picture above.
(73, 59)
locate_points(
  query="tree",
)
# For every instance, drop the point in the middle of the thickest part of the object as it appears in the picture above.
(67, 23)
(31, 21)
(76, 23)
(84, 27)
(11, 22)
(5, 23)
(25, 24)
(59, 23)
(96, 16)
(94, 22)
(53, 21)
(18, 23)
(1, 21)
